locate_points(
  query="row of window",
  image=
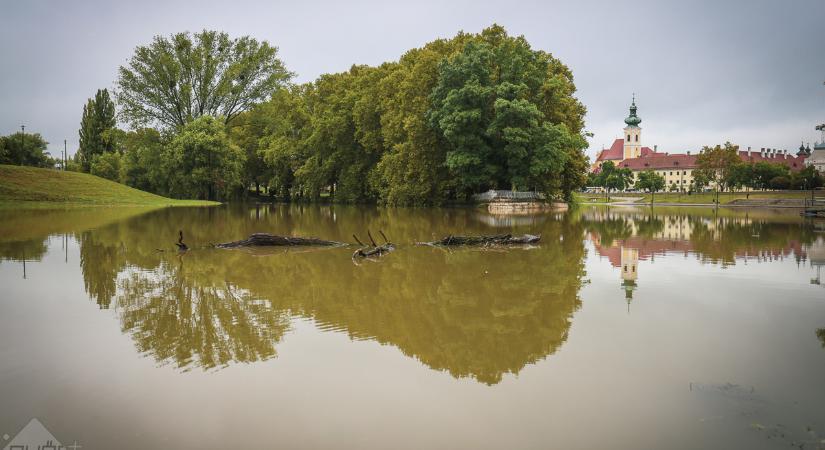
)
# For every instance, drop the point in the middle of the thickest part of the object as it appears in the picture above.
(684, 172)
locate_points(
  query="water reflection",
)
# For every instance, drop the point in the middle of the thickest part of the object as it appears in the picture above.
(627, 236)
(175, 316)
(479, 313)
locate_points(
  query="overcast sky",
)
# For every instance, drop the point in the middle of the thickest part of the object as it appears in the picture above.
(748, 71)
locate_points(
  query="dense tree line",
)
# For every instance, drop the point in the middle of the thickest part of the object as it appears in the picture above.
(450, 119)
(212, 116)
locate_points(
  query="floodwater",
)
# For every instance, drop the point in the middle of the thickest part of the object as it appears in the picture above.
(624, 329)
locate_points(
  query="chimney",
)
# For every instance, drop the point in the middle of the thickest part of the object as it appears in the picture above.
(688, 152)
(655, 147)
(749, 152)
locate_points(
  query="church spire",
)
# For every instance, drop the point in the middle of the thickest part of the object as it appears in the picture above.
(633, 120)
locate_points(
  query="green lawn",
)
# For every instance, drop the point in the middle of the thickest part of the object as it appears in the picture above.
(703, 198)
(34, 187)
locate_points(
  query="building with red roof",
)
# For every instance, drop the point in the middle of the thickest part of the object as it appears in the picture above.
(677, 168)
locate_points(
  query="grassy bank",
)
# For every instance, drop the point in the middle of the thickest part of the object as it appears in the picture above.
(694, 199)
(30, 187)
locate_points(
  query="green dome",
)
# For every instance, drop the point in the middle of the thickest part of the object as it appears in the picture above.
(633, 120)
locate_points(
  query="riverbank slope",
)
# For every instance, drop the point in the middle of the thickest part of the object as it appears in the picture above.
(28, 187)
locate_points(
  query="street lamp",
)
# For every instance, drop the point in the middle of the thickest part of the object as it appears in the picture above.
(22, 142)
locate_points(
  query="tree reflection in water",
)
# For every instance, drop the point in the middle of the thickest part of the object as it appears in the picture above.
(470, 312)
(176, 318)
(479, 313)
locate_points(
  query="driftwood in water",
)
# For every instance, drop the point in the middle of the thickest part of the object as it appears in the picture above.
(497, 239)
(268, 240)
(181, 246)
(375, 250)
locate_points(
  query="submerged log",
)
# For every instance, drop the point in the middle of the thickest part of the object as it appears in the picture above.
(268, 240)
(375, 250)
(496, 239)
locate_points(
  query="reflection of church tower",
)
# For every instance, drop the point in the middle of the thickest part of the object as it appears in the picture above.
(630, 263)
(632, 134)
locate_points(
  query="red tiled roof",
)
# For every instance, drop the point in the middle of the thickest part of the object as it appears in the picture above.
(794, 162)
(660, 161)
(647, 151)
(679, 161)
(616, 152)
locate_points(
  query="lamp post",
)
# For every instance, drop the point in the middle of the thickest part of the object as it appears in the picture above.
(22, 142)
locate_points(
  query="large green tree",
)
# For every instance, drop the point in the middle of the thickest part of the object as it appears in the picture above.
(487, 105)
(412, 170)
(716, 163)
(202, 162)
(650, 181)
(142, 163)
(95, 126)
(449, 119)
(179, 78)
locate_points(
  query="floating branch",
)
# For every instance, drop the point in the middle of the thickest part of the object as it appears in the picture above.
(181, 246)
(375, 250)
(269, 240)
(498, 239)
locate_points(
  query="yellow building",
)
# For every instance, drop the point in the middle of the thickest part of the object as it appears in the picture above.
(677, 169)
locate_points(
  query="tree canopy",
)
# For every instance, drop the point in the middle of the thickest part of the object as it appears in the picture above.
(613, 178)
(447, 120)
(452, 118)
(25, 149)
(175, 80)
(650, 181)
(716, 163)
(202, 162)
(96, 125)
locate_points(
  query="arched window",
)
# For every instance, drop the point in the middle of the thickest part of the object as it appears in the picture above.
(637, 138)
(628, 138)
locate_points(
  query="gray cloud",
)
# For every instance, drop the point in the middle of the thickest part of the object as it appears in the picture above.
(703, 71)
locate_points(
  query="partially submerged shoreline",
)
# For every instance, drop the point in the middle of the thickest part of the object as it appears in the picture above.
(787, 199)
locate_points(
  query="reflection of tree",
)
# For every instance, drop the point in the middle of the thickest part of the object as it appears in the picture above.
(100, 264)
(470, 312)
(820, 333)
(648, 226)
(29, 250)
(611, 229)
(173, 317)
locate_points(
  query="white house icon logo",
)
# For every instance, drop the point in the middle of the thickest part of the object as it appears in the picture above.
(34, 436)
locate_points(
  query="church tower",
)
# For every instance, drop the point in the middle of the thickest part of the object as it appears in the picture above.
(632, 134)
(630, 263)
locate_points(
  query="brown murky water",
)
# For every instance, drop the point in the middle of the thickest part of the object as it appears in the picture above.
(624, 328)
